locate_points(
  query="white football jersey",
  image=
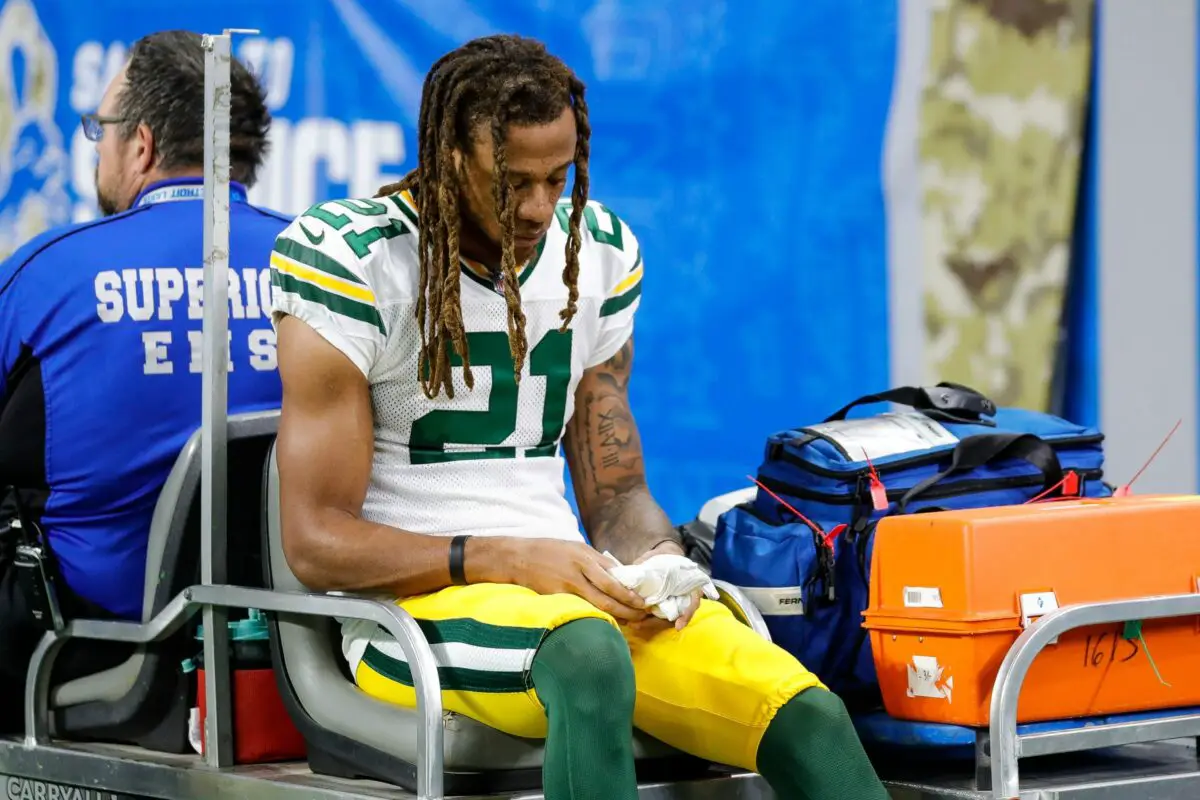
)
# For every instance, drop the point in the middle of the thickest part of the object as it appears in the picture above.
(487, 461)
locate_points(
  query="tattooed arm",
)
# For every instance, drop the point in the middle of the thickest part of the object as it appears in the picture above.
(604, 453)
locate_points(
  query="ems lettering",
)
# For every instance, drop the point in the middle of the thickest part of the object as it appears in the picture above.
(155, 344)
(262, 350)
(161, 355)
(196, 343)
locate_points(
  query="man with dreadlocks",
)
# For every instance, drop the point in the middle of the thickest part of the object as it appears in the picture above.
(437, 343)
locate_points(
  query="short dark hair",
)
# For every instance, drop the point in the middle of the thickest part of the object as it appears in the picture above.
(165, 90)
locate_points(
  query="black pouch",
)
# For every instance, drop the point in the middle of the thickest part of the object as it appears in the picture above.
(35, 569)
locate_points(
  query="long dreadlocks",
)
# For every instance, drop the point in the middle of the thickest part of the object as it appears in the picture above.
(500, 80)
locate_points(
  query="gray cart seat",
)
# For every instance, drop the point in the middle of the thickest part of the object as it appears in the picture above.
(353, 735)
(146, 700)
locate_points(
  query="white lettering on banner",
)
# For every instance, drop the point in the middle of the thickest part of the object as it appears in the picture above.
(83, 177)
(94, 68)
(272, 62)
(311, 158)
(95, 65)
(315, 148)
(314, 141)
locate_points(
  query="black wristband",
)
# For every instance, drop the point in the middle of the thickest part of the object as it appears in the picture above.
(458, 549)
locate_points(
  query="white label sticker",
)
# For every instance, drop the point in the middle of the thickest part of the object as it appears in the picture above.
(1035, 605)
(927, 678)
(922, 597)
(886, 434)
(782, 601)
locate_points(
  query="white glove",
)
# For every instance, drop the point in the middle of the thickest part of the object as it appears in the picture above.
(665, 582)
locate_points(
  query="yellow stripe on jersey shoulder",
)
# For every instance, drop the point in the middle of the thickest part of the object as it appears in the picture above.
(330, 283)
(629, 281)
(624, 293)
(409, 204)
(310, 286)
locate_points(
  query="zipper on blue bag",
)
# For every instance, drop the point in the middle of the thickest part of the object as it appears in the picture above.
(823, 543)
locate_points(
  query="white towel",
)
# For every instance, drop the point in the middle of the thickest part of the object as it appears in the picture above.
(665, 582)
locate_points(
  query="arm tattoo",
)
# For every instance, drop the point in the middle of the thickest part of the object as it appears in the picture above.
(604, 452)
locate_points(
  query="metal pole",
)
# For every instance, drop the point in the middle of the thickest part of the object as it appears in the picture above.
(393, 619)
(1006, 744)
(218, 733)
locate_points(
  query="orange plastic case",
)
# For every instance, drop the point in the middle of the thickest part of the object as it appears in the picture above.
(947, 591)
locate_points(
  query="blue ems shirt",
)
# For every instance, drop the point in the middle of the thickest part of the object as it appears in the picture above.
(110, 313)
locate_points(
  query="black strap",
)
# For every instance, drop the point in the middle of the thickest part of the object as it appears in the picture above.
(974, 452)
(952, 402)
(458, 550)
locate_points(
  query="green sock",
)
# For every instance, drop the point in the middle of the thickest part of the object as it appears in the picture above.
(810, 751)
(584, 677)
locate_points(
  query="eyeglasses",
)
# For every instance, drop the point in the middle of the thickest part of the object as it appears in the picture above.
(93, 125)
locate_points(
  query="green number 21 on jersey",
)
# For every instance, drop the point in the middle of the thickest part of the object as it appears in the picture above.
(550, 358)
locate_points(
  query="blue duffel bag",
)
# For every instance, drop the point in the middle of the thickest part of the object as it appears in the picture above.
(802, 548)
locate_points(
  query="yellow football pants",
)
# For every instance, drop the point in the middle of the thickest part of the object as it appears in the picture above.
(709, 690)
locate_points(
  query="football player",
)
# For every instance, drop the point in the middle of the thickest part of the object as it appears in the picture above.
(437, 344)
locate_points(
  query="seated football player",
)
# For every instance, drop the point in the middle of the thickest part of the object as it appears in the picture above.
(437, 344)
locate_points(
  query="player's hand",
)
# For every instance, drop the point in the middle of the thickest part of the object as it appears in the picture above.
(652, 624)
(550, 566)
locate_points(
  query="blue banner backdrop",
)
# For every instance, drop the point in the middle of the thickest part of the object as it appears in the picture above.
(741, 141)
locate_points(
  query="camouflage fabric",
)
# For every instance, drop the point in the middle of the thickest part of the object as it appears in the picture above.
(1003, 109)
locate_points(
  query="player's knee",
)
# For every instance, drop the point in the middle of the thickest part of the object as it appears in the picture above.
(592, 658)
(820, 711)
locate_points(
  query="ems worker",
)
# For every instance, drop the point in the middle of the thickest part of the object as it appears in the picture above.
(100, 347)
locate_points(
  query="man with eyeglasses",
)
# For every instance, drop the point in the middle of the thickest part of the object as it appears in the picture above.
(100, 352)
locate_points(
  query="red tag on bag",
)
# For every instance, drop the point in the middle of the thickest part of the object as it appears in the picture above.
(879, 497)
(878, 491)
(832, 536)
